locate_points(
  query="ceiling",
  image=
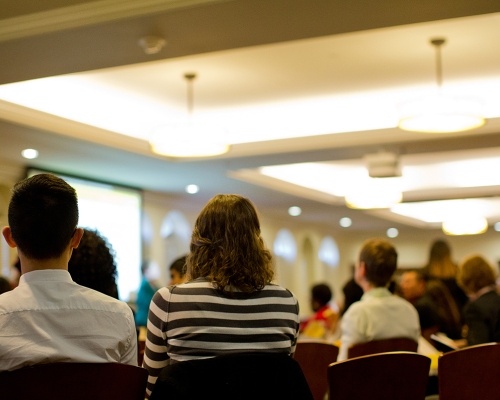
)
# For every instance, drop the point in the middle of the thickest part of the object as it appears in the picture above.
(294, 82)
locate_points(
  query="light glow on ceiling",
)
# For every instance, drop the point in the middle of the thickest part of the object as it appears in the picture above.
(342, 178)
(465, 226)
(449, 210)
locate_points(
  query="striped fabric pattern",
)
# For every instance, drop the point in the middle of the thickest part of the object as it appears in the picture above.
(194, 320)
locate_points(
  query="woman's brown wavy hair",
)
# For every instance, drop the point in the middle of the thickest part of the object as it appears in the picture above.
(226, 246)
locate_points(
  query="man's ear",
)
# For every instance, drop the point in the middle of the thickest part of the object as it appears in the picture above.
(77, 236)
(362, 269)
(7, 234)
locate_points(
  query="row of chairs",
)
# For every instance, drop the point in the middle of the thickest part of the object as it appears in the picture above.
(466, 374)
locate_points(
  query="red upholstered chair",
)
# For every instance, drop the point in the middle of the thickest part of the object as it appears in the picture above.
(386, 376)
(74, 381)
(381, 346)
(470, 373)
(314, 357)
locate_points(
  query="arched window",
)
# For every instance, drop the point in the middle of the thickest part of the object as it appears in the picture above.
(285, 246)
(329, 252)
(175, 223)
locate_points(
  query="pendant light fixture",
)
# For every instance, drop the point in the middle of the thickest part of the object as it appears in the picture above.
(440, 113)
(189, 139)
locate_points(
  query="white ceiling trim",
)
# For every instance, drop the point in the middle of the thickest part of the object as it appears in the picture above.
(88, 14)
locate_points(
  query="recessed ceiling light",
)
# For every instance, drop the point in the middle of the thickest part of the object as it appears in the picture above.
(345, 222)
(497, 226)
(29, 153)
(392, 232)
(294, 211)
(192, 189)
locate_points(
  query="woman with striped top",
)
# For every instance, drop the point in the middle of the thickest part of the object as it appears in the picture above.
(229, 305)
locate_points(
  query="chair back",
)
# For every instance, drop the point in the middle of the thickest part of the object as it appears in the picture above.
(381, 346)
(76, 381)
(394, 376)
(470, 373)
(246, 376)
(314, 357)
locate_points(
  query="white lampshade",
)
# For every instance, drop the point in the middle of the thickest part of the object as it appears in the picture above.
(441, 114)
(188, 140)
(465, 226)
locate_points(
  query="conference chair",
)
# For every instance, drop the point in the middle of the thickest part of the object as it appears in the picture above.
(247, 376)
(385, 376)
(75, 381)
(470, 373)
(314, 357)
(381, 346)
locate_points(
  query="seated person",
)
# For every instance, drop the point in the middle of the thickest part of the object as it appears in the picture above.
(476, 277)
(413, 290)
(379, 314)
(93, 265)
(48, 317)
(147, 290)
(229, 304)
(323, 323)
(178, 271)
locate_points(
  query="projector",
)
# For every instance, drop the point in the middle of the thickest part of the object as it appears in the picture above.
(383, 165)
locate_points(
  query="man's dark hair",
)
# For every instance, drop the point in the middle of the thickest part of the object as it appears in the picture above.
(322, 294)
(381, 260)
(43, 214)
(180, 266)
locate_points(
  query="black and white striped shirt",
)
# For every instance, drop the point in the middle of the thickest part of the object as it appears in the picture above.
(194, 320)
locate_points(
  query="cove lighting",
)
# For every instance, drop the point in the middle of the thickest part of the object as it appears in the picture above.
(192, 189)
(373, 199)
(30, 154)
(465, 226)
(294, 211)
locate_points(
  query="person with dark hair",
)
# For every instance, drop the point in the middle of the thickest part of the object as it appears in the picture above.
(352, 293)
(379, 314)
(178, 271)
(4, 285)
(324, 321)
(229, 304)
(48, 317)
(93, 264)
(476, 277)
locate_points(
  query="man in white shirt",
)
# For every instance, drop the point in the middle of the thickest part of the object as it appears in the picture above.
(49, 318)
(379, 314)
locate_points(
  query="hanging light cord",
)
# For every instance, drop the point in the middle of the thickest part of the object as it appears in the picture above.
(437, 43)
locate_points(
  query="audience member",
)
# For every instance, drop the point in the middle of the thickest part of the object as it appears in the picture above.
(229, 304)
(4, 285)
(324, 321)
(93, 264)
(178, 271)
(352, 293)
(48, 317)
(477, 278)
(449, 319)
(413, 289)
(379, 314)
(441, 266)
(147, 290)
